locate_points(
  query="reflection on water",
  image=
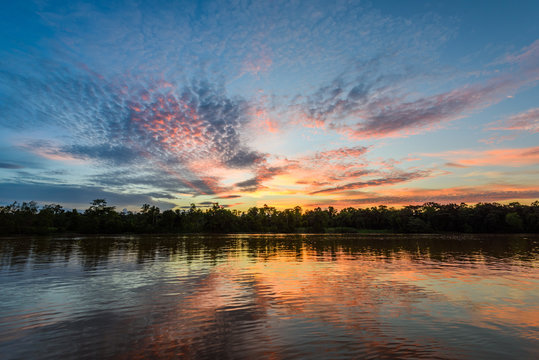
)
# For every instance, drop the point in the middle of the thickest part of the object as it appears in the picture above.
(268, 296)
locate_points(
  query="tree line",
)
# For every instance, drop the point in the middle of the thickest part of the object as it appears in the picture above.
(100, 218)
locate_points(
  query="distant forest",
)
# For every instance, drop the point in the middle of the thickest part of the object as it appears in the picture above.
(99, 218)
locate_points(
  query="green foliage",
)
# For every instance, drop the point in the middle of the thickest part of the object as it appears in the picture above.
(28, 218)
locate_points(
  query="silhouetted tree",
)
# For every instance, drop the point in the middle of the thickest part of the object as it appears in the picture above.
(28, 218)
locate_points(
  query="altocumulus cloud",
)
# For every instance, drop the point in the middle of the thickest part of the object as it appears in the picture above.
(121, 123)
(165, 99)
(380, 107)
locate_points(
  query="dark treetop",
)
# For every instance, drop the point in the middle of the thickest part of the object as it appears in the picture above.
(28, 218)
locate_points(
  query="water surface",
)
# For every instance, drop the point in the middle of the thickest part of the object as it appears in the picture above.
(270, 297)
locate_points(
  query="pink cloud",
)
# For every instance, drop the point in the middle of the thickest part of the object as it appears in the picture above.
(417, 196)
(496, 157)
(314, 170)
(324, 172)
(265, 121)
(48, 150)
(526, 121)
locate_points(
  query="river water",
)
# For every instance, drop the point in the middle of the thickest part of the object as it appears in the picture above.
(270, 297)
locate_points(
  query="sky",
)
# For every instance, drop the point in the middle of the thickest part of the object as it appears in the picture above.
(285, 103)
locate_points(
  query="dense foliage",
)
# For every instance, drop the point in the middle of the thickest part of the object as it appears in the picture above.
(28, 218)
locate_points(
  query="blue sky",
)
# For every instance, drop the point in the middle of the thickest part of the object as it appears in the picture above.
(316, 103)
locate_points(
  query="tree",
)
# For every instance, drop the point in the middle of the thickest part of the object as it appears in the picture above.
(101, 218)
(99, 207)
(514, 221)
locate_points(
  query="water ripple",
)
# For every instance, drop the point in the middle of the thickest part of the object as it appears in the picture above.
(264, 296)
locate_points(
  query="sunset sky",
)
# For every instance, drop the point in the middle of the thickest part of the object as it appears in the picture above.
(245, 103)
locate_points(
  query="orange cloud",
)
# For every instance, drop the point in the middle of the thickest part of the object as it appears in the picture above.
(496, 157)
(417, 196)
(267, 123)
(309, 171)
(48, 150)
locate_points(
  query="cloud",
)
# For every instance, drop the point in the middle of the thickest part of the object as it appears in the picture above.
(452, 164)
(119, 122)
(390, 180)
(263, 121)
(511, 157)
(243, 158)
(48, 150)
(173, 99)
(192, 123)
(461, 194)
(525, 121)
(313, 170)
(406, 117)
(243, 40)
(150, 178)
(497, 139)
(263, 173)
(205, 203)
(527, 58)
(331, 165)
(4, 165)
(73, 195)
(227, 197)
(327, 167)
(341, 153)
(116, 154)
(157, 195)
(379, 107)
(252, 183)
(417, 196)
(231, 205)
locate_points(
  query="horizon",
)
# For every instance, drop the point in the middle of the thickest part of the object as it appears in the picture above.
(314, 104)
(209, 206)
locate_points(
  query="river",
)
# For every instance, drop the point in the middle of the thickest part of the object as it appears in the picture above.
(270, 297)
